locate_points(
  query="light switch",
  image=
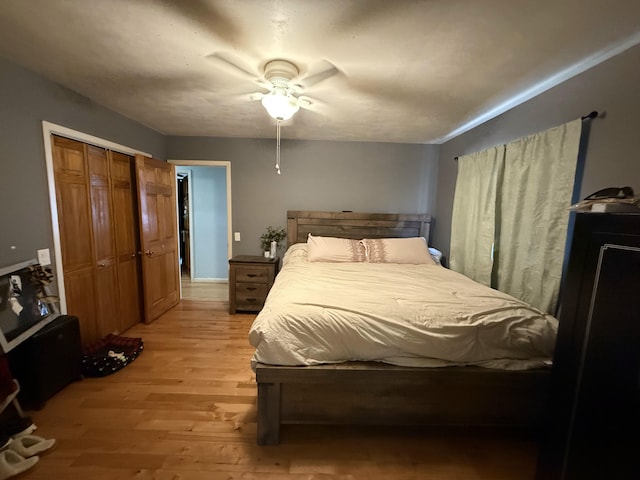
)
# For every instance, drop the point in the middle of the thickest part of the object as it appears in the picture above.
(44, 257)
(236, 236)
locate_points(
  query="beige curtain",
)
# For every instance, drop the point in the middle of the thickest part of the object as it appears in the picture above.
(474, 209)
(533, 203)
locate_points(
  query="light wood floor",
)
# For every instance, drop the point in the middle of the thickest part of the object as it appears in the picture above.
(186, 410)
(216, 291)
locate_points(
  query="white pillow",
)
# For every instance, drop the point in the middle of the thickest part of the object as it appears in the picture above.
(436, 255)
(398, 250)
(332, 249)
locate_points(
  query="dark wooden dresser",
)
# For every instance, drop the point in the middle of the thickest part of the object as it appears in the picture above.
(250, 279)
(593, 424)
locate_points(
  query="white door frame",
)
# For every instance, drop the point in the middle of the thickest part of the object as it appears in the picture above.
(49, 129)
(189, 175)
(211, 163)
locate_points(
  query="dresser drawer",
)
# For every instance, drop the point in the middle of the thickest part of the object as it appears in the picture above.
(246, 291)
(253, 274)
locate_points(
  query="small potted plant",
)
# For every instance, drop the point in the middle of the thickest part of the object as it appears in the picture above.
(273, 234)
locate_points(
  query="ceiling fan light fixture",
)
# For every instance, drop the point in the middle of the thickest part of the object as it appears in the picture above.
(280, 104)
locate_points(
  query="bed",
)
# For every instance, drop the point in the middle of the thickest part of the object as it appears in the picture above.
(299, 383)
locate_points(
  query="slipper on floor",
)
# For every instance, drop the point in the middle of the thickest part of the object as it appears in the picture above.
(29, 445)
(5, 440)
(12, 464)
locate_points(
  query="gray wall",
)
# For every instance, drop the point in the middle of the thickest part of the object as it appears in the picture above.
(613, 158)
(27, 99)
(316, 175)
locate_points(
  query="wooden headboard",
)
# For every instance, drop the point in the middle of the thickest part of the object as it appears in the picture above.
(354, 225)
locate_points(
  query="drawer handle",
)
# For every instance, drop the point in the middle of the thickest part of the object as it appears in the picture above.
(251, 289)
(252, 274)
(251, 299)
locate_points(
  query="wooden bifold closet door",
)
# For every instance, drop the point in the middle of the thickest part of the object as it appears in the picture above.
(159, 236)
(98, 216)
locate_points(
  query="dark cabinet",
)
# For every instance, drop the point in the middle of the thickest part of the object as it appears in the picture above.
(593, 425)
(47, 361)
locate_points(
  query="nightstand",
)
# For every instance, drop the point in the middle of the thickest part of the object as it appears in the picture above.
(250, 279)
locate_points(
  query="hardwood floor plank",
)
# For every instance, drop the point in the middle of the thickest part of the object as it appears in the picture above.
(186, 410)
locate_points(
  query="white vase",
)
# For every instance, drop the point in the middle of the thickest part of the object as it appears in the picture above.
(274, 247)
(267, 254)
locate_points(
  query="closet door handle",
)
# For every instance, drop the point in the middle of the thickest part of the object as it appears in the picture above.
(101, 265)
(148, 252)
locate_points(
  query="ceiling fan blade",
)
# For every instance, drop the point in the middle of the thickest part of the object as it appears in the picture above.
(304, 102)
(229, 61)
(313, 79)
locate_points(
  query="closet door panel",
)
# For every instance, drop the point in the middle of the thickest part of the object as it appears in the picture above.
(129, 288)
(125, 210)
(74, 221)
(80, 295)
(107, 301)
(72, 197)
(157, 203)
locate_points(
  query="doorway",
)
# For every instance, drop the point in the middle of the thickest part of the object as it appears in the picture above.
(204, 226)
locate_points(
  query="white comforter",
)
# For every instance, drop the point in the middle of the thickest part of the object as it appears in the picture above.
(410, 315)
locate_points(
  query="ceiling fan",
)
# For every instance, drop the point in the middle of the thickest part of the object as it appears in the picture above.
(283, 97)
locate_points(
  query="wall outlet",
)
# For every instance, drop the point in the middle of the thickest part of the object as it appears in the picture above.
(236, 236)
(44, 257)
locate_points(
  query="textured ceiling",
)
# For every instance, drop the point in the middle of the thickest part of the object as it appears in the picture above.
(407, 70)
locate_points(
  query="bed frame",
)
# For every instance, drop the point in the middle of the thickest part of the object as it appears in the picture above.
(372, 393)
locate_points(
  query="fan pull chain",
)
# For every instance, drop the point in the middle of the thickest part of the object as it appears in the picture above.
(278, 146)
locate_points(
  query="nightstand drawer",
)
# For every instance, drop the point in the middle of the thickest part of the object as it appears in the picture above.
(250, 304)
(253, 274)
(246, 291)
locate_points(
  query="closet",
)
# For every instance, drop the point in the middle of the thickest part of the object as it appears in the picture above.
(105, 203)
(594, 411)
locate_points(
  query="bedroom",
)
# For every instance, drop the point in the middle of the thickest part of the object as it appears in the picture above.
(360, 176)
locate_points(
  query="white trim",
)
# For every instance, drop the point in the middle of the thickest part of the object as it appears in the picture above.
(178, 231)
(213, 163)
(49, 129)
(189, 176)
(192, 259)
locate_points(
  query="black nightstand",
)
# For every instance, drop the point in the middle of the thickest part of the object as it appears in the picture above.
(250, 279)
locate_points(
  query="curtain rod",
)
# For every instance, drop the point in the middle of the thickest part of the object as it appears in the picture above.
(589, 116)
